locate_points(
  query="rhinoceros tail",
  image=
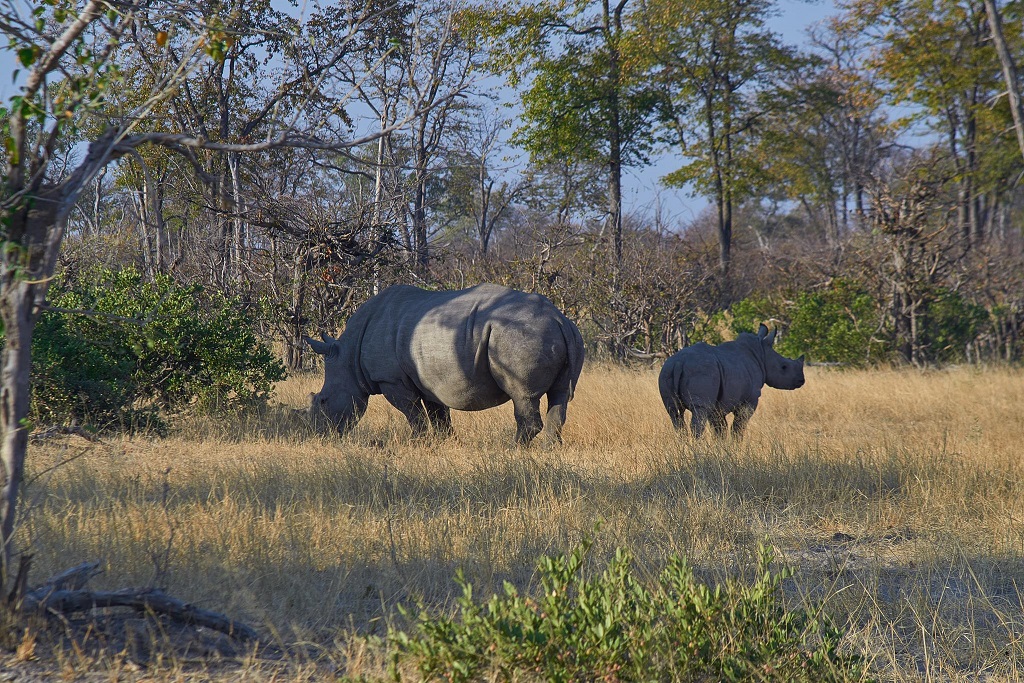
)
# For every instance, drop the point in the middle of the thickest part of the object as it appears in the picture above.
(574, 353)
(677, 381)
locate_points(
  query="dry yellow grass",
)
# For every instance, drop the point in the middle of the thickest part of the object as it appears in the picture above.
(896, 494)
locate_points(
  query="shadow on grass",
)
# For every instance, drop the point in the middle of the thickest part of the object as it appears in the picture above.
(914, 589)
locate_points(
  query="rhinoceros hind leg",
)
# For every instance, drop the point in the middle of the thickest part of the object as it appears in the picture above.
(528, 423)
(699, 420)
(717, 418)
(558, 402)
(676, 412)
(440, 417)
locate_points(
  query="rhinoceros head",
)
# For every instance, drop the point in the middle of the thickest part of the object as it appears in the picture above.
(341, 401)
(780, 372)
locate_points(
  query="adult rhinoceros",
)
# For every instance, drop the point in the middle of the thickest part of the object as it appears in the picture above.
(472, 349)
(713, 381)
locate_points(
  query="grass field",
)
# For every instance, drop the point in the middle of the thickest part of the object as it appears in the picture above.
(897, 495)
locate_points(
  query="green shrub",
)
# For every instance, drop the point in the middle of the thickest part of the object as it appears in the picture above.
(949, 323)
(77, 381)
(610, 627)
(835, 325)
(845, 324)
(747, 314)
(158, 344)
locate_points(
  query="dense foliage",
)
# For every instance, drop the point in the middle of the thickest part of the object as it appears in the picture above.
(612, 627)
(117, 349)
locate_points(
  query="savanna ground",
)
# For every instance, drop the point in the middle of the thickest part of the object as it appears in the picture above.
(897, 496)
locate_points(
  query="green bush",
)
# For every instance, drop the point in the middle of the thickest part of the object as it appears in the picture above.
(610, 627)
(77, 381)
(835, 325)
(156, 344)
(845, 324)
(949, 323)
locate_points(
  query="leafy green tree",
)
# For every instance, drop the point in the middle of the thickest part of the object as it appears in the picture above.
(823, 147)
(583, 97)
(936, 60)
(717, 67)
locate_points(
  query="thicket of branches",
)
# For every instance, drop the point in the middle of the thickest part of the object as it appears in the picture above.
(811, 178)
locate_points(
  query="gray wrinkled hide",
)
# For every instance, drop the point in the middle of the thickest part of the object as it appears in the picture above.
(428, 352)
(713, 381)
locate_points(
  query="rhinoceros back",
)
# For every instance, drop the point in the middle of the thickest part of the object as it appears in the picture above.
(723, 376)
(468, 349)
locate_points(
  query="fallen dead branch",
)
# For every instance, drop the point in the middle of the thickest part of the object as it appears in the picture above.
(50, 432)
(65, 594)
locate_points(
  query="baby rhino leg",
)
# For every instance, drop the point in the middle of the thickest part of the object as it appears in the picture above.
(743, 415)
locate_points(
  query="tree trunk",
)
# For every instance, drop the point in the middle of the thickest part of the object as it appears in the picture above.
(142, 207)
(615, 137)
(35, 229)
(19, 318)
(300, 276)
(378, 201)
(238, 224)
(483, 226)
(419, 224)
(419, 208)
(615, 166)
(1009, 69)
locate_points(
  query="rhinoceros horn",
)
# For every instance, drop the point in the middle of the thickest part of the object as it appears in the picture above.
(324, 347)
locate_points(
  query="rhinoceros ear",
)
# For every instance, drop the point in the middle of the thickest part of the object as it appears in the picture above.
(321, 347)
(770, 339)
(762, 331)
(800, 359)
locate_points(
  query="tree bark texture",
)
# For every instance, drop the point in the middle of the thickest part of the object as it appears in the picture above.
(1009, 68)
(16, 311)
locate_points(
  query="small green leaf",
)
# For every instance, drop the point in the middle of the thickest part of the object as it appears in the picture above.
(27, 56)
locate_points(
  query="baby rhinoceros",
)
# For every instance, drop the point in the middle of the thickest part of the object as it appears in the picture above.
(429, 352)
(713, 381)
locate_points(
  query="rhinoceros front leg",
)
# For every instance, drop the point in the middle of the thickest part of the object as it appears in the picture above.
(528, 423)
(742, 417)
(409, 404)
(440, 417)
